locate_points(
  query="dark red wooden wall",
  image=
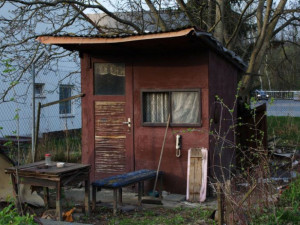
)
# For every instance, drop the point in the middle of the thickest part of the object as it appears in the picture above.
(222, 83)
(184, 71)
(179, 70)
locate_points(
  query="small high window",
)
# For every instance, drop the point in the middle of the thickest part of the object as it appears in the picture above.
(109, 79)
(39, 89)
(183, 106)
(65, 91)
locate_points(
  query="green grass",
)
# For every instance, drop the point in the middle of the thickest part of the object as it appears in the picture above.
(58, 147)
(286, 211)
(164, 216)
(286, 128)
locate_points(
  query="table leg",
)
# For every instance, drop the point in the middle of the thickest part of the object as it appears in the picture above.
(87, 196)
(58, 202)
(15, 190)
(115, 202)
(46, 197)
(120, 196)
(140, 193)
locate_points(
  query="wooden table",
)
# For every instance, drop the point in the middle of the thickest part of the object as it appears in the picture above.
(38, 174)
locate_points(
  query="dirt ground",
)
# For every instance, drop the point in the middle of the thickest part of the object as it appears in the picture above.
(173, 211)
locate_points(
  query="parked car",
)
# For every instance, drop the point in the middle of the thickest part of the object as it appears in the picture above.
(261, 95)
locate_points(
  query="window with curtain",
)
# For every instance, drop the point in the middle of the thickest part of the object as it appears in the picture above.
(109, 78)
(182, 105)
(65, 91)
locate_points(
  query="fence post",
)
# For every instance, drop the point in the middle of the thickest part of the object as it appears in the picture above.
(220, 204)
(37, 130)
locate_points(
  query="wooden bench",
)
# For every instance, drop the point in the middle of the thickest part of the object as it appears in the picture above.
(117, 182)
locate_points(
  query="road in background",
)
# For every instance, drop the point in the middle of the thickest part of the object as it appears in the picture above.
(282, 107)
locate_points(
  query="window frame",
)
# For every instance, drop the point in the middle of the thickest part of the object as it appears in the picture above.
(70, 114)
(151, 124)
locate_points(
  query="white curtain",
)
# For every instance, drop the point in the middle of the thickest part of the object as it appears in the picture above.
(185, 107)
(116, 69)
(156, 107)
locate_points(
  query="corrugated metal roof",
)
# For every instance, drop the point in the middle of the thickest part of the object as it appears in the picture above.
(121, 35)
(208, 38)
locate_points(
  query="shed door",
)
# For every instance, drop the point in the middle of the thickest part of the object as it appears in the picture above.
(113, 119)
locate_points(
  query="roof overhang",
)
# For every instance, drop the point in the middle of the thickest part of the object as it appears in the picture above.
(188, 39)
(64, 40)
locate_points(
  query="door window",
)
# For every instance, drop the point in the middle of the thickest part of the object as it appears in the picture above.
(109, 79)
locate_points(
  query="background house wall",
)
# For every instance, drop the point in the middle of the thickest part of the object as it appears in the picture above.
(61, 68)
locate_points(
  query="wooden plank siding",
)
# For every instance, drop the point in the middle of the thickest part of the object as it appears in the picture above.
(110, 153)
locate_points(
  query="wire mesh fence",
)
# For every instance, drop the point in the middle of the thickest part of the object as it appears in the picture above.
(281, 107)
(59, 129)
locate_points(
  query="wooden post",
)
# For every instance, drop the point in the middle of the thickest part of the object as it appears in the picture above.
(228, 209)
(37, 130)
(220, 204)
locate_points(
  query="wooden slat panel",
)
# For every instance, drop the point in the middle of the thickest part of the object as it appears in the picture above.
(195, 174)
(110, 153)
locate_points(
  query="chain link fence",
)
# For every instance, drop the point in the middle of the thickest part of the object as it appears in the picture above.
(281, 107)
(59, 129)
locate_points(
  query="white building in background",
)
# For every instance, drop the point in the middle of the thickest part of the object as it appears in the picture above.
(57, 79)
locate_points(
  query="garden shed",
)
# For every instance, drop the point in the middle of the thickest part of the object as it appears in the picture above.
(133, 82)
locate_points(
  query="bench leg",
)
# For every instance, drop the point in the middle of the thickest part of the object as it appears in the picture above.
(143, 188)
(120, 196)
(140, 193)
(160, 186)
(94, 193)
(115, 202)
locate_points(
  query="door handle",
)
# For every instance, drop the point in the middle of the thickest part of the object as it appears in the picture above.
(128, 122)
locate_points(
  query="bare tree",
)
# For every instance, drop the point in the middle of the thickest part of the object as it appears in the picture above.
(245, 26)
(19, 26)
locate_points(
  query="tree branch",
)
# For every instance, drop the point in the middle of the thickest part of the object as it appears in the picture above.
(98, 6)
(183, 7)
(157, 16)
(238, 26)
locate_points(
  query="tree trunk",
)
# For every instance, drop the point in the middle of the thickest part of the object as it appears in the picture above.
(219, 29)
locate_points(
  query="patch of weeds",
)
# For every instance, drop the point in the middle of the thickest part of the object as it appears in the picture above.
(9, 215)
(286, 211)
